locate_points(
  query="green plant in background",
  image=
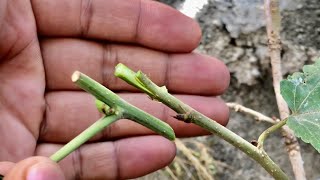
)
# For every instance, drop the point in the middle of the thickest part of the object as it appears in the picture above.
(302, 94)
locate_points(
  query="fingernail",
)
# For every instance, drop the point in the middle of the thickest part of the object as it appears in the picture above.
(45, 171)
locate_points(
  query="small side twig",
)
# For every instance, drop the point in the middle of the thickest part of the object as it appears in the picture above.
(268, 131)
(273, 30)
(257, 115)
(75, 143)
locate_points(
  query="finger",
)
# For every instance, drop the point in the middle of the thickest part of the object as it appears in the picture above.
(122, 159)
(181, 73)
(3, 11)
(18, 29)
(69, 113)
(5, 167)
(35, 168)
(21, 78)
(140, 21)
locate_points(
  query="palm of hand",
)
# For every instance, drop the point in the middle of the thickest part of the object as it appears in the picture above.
(42, 44)
(22, 79)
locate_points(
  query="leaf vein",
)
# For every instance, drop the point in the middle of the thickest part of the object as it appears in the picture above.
(318, 82)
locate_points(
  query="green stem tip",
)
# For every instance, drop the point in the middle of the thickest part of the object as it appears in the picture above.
(114, 101)
(126, 74)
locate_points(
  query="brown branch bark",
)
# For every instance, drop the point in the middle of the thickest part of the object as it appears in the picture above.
(257, 115)
(273, 19)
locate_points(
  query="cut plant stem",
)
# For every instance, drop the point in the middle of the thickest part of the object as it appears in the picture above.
(95, 128)
(268, 131)
(114, 108)
(129, 75)
(129, 111)
(161, 94)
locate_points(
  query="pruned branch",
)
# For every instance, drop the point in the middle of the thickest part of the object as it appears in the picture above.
(114, 108)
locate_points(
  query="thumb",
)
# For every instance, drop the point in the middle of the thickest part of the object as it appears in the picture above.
(35, 168)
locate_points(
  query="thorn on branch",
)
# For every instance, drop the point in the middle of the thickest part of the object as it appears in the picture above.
(153, 98)
(254, 142)
(108, 111)
(182, 117)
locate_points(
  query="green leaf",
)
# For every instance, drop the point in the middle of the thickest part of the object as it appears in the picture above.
(302, 94)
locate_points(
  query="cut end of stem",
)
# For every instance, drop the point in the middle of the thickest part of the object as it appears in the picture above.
(119, 69)
(75, 76)
(131, 77)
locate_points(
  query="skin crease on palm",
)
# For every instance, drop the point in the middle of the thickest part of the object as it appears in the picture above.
(42, 42)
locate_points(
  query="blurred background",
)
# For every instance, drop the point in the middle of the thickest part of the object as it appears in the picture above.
(234, 31)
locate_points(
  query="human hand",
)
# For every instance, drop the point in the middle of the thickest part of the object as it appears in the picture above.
(32, 168)
(43, 42)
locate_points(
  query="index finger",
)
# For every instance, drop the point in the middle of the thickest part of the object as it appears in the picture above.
(145, 22)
